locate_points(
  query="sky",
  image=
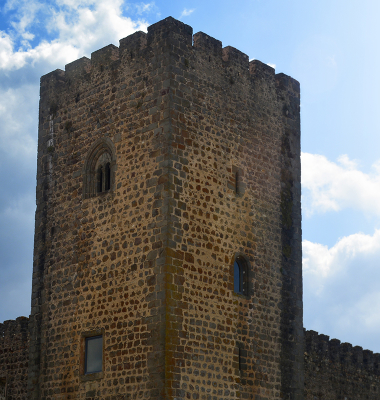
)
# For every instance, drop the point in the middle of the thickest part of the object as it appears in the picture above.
(329, 46)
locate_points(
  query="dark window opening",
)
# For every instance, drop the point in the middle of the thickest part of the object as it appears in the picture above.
(237, 182)
(100, 180)
(237, 280)
(99, 169)
(240, 277)
(103, 178)
(93, 355)
(107, 183)
(3, 388)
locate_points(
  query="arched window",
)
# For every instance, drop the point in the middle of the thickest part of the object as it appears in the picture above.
(241, 276)
(99, 169)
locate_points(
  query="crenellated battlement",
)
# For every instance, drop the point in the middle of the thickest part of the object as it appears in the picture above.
(132, 46)
(104, 56)
(14, 354)
(12, 327)
(323, 349)
(208, 44)
(171, 35)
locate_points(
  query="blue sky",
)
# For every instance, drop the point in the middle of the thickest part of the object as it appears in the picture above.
(330, 46)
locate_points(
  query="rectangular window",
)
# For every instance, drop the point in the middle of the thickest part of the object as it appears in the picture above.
(3, 389)
(93, 359)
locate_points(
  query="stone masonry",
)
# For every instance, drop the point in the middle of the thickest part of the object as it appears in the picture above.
(14, 354)
(201, 150)
(335, 370)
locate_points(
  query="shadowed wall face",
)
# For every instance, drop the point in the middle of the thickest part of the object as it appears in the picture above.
(335, 370)
(14, 352)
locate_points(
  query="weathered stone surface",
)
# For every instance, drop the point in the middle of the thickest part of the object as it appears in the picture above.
(205, 158)
(335, 370)
(14, 352)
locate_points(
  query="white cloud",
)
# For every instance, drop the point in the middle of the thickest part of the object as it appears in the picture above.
(25, 15)
(80, 28)
(330, 186)
(145, 7)
(341, 291)
(272, 65)
(186, 12)
(18, 111)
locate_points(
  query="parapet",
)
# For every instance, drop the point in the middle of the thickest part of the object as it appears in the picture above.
(10, 328)
(170, 29)
(78, 68)
(259, 70)
(234, 56)
(173, 36)
(207, 44)
(132, 45)
(104, 56)
(321, 347)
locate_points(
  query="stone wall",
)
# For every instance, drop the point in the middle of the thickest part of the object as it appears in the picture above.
(339, 371)
(204, 148)
(14, 351)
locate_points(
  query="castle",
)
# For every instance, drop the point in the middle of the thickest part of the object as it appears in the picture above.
(167, 259)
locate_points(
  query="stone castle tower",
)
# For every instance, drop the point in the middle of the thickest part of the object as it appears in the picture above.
(167, 261)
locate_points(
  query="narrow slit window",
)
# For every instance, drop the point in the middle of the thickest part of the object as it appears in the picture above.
(237, 275)
(237, 182)
(240, 276)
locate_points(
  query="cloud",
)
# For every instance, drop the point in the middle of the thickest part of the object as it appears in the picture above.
(18, 151)
(330, 186)
(145, 7)
(78, 28)
(25, 14)
(186, 12)
(18, 134)
(16, 236)
(341, 291)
